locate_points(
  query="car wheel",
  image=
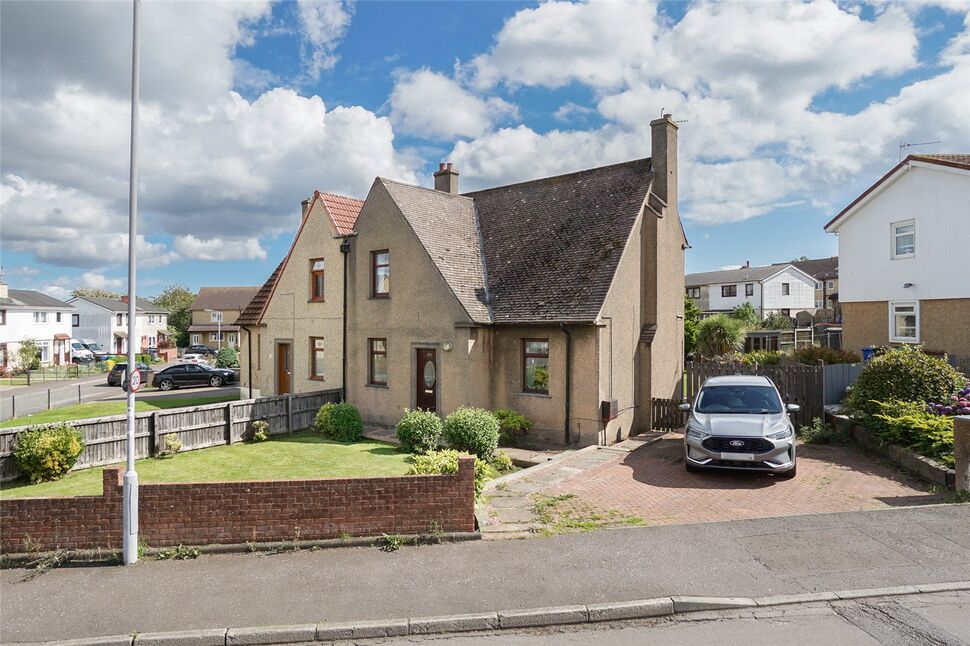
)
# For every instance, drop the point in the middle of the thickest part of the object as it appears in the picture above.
(691, 468)
(166, 384)
(215, 382)
(788, 475)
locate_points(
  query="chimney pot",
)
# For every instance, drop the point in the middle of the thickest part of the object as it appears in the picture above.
(124, 299)
(446, 178)
(442, 166)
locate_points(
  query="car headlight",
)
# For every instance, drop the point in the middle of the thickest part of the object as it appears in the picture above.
(696, 433)
(781, 435)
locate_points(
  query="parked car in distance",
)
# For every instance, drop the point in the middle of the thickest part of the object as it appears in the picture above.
(190, 374)
(80, 353)
(193, 358)
(200, 349)
(100, 354)
(116, 375)
(740, 422)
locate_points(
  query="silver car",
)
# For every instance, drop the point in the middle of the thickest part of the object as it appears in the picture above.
(739, 422)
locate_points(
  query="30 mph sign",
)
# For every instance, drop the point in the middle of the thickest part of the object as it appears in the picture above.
(135, 382)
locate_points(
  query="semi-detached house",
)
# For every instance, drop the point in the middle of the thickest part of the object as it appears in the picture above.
(27, 314)
(770, 289)
(105, 321)
(560, 297)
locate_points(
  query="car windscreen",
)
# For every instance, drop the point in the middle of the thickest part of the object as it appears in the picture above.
(752, 400)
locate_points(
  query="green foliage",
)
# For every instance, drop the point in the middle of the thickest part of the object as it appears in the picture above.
(818, 432)
(512, 426)
(172, 445)
(28, 355)
(47, 452)
(904, 373)
(719, 335)
(258, 431)
(340, 422)
(502, 463)
(419, 431)
(539, 377)
(445, 461)
(180, 553)
(692, 318)
(777, 321)
(393, 542)
(812, 355)
(227, 358)
(763, 357)
(746, 313)
(907, 424)
(474, 430)
(95, 292)
(178, 301)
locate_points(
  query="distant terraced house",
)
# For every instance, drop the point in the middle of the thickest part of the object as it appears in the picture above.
(214, 314)
(560, 297)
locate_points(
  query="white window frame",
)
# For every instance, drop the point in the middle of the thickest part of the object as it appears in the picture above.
(196, 339)
(892, 321)
(40, 317)
(893, 236)
(786, 289)
(830, 284)
(216, 317)
(231, 338)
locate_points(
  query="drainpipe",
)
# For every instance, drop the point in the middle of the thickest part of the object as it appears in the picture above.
(345, 250)
(569, 353)
(249, 347)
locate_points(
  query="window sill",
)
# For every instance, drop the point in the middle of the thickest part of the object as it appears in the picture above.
(316, 379)
(316, 300)
(527, 394)
(904, 341)
(906, 257)
(385, 297)
(377, 386)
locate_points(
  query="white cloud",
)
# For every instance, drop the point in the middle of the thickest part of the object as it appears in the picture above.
(219, 248)
(570, 111)
(434, 106)
(100, 281)
(323, 23)
(21, 271)
(56, 291)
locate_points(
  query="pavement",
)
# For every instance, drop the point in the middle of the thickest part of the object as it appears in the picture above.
(746, 558)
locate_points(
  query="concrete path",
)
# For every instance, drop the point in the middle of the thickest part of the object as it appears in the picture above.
(762, 557)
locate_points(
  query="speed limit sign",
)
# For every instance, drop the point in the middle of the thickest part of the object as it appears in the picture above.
(135, 382)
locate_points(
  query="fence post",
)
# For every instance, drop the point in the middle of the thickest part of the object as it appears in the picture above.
(48, 399)
(289, 412)
(228, 422)
(13, 406)
(154, 444)
(79, 393)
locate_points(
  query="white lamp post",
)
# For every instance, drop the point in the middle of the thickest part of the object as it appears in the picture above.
(218, 324)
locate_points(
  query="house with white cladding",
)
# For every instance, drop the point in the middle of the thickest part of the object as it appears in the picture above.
(771, 289)
(26, 314)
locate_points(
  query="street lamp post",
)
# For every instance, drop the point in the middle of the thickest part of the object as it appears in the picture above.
(130, 491)
(218, 324)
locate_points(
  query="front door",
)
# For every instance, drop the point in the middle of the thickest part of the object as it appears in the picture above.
(427, 380)
(284, 367)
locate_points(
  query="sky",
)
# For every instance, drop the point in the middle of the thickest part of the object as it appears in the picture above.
(787, 111)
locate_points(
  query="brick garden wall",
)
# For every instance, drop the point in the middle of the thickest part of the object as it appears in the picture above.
(238, 512)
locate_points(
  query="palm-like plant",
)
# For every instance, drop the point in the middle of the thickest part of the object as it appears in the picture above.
(719, 335)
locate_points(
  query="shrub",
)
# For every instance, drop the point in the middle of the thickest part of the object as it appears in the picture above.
(906, 374)
(258, 431)
(812, 355)
(719, 335)
(419, 431)
(512, 426)
(340, 422)
(446, 461)
(48, 452)
(818, 432)
(172, 445)
(776, 321)
(762, 357)
(227, 358)
(909, 424)
(746, 313)
(502, 463)
(28, 355)
(474, 430)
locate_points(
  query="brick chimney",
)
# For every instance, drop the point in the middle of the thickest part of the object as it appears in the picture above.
(446, 178)
(305, 206)
(124, 299)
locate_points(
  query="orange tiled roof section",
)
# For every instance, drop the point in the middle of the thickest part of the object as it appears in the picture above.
(343, 211)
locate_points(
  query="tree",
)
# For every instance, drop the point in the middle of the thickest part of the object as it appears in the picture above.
(719, 335)
(746, 313)
(28, 355)
(95, 292)
(777, 321)
(692, 317)
(177, 300)
(227, 358)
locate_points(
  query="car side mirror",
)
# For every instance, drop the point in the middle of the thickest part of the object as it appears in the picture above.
(793, 408)
(684, 407)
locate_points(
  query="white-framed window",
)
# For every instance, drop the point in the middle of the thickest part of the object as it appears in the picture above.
(694, 292)
(904, 321)
(216, 317)
(904, 239)
(40, 317)
(213, 336)
(785, 289)
(831, 284)
(819, 305)
(231, 338)
(151, 318)
(196, 339)
(45, 351)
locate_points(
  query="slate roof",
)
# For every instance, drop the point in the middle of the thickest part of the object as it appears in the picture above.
(31, 298)
(253, 312)
(741, 275)
(445, 224)
(224, 298)
(116, 305)
(818, 268)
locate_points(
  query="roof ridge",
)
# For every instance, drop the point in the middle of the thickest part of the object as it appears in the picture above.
(343, 197)
(561, 175)
(422, 188)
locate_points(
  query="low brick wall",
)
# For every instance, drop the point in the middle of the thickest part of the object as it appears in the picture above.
(239, 512)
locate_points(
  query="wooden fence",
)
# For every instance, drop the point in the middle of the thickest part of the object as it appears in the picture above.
(666, 415)
(196, 426)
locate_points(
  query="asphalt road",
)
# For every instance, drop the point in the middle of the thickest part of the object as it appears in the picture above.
(750, 558)
(917, 620)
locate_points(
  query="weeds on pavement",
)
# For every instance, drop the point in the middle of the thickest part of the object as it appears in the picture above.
(562, 515)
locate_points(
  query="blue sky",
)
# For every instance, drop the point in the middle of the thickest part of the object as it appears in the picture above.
(791, 110)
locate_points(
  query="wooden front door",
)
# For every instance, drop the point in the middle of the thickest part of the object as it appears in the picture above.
(284, 367)
(426, 381)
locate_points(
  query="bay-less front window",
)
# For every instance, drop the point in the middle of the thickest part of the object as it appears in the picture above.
(535, 366)
(749, 289)
(316, 279)
(728, 291)
(904, 322)
(377, 351)
(316, 358)
(785, 289)
(380, 273)
(904, 239)
(40, 317)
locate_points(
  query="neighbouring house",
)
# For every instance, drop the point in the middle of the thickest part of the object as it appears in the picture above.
(771, 289)
(293, 328)
(105, 321)
(825, 271)
(214, 314)
(26, 314)
(904, 261)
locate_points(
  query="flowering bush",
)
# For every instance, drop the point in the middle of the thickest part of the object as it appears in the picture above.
(958, 404)
(905, 373)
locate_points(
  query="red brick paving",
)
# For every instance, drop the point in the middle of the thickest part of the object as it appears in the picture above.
(653, 484)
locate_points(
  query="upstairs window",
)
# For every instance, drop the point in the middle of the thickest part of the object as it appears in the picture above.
(316, 280)
(904, 322)
(728, 291)
(380, 273)
(749, 289)
(785, 289)
(118, 319)
(904, 239)
(694, 292)
(830, 284)
(40, 317)
(215, 317)
(535, 366)
(57, 317)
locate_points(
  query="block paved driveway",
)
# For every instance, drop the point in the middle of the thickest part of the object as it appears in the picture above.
(652, 484)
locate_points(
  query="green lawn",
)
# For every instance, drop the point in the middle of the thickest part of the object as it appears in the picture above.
(301, 455)
(103, 409)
